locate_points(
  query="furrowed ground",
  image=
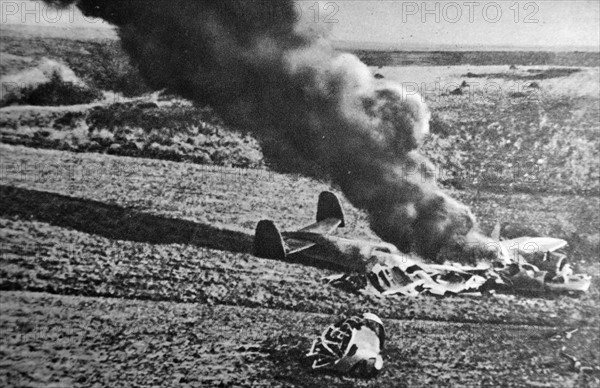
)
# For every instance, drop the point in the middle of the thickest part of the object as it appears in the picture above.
(126, 247)
(145, 266)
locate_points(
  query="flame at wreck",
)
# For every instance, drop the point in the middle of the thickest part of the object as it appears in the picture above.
(314, 110)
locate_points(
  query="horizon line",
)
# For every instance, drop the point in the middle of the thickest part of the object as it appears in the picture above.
(370, 45)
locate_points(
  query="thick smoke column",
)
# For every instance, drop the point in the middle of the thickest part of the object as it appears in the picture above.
(314, 110)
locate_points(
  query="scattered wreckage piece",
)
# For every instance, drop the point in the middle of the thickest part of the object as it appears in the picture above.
(578, 366)
(412, 279)
(538, 265)
(525, 265)
(352, 346)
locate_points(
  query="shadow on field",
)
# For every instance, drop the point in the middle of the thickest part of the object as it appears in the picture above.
(116, 222)
(119, 223)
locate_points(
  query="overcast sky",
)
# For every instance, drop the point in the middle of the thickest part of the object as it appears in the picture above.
(460, 24)
(467, 23)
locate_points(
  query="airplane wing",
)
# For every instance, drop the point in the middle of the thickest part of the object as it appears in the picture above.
(303, 239)
(534, 244)
(295, 245)
(325, 226)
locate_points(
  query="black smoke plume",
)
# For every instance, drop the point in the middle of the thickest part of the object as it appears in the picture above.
(314, 110)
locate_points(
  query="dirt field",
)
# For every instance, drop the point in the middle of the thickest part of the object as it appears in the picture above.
(138, 271)
(124, 271)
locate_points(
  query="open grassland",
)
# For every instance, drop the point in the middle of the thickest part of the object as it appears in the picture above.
(125, 342)
(126, 235)
(531, 127)
(182, 233)
(497, 132)
(98, 60)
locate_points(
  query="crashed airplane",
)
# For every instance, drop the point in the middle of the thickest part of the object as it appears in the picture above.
(524, 265)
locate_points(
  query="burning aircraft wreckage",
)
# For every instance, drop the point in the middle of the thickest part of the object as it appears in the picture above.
(314, 110)
(321, 113)
(527, 265)
(354, 346)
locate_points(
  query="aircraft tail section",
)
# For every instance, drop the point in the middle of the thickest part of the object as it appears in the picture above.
(268, 242)
(329, 206)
